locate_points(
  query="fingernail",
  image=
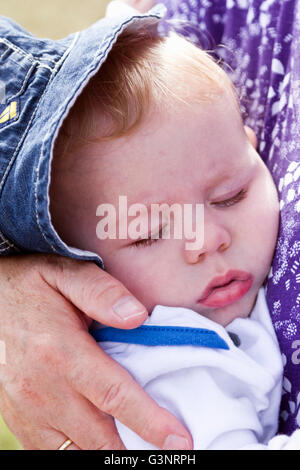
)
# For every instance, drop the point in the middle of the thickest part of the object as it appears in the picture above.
(128, 307)
(174, 442)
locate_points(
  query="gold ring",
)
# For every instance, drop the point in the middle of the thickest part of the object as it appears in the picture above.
(65, 445)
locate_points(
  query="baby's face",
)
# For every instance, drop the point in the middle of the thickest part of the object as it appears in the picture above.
(198, 154)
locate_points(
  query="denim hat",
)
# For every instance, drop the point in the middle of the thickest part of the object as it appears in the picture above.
(40, 80)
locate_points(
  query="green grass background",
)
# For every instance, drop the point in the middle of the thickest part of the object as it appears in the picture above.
(52, 19)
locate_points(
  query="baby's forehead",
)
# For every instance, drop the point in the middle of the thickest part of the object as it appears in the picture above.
(180, 185)
(169, 149)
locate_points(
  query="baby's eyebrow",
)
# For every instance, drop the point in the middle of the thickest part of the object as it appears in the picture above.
(214, 181)
(236, 172)
(240, 173)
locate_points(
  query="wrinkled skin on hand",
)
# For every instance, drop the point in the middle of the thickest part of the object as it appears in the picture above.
(57, 383)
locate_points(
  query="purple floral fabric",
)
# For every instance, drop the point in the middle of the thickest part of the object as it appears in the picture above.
(260, 41)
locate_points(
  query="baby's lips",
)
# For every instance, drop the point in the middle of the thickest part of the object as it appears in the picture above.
(231, 275)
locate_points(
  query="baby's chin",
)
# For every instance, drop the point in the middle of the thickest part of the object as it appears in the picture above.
(224, 318)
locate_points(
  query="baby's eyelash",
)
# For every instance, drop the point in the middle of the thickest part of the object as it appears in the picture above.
(233, 200)
(227, 203)
(145, 242)
(148, 241)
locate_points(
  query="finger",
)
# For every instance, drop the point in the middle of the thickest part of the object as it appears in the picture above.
(92, 429)
(114, 391)
(75, 418)
(51, 439)
(94, 292)
(32, 437)
(21, 428)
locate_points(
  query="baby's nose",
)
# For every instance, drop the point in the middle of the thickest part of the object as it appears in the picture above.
(216, 239)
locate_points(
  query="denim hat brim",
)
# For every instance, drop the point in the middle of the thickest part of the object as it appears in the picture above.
(51, 75)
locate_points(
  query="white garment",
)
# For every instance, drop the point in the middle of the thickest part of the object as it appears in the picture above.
(228, 399)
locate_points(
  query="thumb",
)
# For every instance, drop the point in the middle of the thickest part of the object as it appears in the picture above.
(93, 291)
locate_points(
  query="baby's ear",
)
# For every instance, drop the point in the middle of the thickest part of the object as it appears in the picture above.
(251, 136)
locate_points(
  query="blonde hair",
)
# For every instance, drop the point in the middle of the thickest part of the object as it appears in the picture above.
(141, 70)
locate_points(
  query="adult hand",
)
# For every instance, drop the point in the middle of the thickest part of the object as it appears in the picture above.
(57, 383)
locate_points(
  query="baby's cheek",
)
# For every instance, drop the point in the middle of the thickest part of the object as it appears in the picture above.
(264, 225)
(137, 275)
(150, 287)
(269, 217)
(156, 286)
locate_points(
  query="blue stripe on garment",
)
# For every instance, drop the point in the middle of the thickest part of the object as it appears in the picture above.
(150, 335)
